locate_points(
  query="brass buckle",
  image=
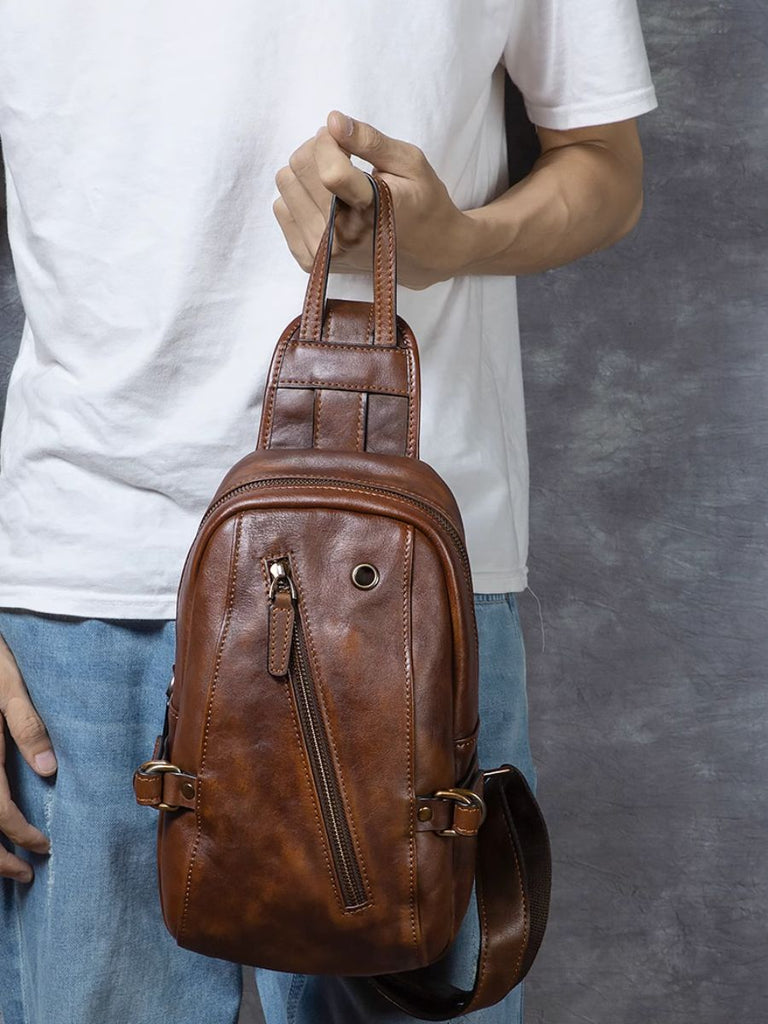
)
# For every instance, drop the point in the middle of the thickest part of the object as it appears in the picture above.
(464, 797)
(161, 768)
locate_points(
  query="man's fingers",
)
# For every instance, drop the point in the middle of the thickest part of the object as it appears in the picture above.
(303, 163)
(303, 209)
(323, 166)
(24, 723)
(14, 867)
(338, 174)
(28, 732)
(314, 171)
(13, 824)
(385, 153)
(293, 234)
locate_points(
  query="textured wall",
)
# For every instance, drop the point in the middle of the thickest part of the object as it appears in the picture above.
(646, 377)
(646, 392)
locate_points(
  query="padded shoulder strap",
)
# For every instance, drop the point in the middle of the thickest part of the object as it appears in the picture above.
(512, 888)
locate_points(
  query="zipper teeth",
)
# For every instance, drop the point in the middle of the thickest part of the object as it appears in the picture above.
(344, 857)
(435, 513)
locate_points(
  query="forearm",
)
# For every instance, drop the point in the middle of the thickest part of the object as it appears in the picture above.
(578, 198)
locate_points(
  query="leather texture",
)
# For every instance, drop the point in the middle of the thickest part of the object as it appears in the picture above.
(321, 804)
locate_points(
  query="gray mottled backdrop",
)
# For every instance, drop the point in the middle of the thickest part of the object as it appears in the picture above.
(646, 376)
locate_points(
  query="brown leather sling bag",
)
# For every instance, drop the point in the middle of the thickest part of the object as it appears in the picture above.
(321, 805)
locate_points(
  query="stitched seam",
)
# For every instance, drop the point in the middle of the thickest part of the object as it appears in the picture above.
(366, 490)
(337, 759)
(411, 432)
(295, 992)
(409, 734)
(379, 314)
(272, 399)
(346, 386)
(209, 715)
(484, 940)
(526, 923)
(285, 615)
(325, 238)
(385, 203)
(272, 631)
(390, 261)
(360, 421)
(21, 959)
(316, 419)
(317, 284)
(286, 638)
(338, 346)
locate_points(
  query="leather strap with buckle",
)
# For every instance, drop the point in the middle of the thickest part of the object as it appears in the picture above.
(164, 786)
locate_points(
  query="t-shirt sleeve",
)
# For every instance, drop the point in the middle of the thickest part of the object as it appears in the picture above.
(579, 62)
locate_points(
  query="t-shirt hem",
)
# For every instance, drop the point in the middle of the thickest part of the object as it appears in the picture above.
(493, 582)
(88, 605)
(581, 115)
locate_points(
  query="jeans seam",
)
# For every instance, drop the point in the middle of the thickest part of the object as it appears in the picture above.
(20, 967)
(511, 602)
(295, 992)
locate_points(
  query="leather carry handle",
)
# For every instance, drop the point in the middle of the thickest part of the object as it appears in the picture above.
(384, 272)
(345, 373)
(512, 889)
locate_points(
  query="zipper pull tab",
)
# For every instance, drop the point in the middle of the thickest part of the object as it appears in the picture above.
(282, 615)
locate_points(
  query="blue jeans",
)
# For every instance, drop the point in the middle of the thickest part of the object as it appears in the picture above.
(85, 942)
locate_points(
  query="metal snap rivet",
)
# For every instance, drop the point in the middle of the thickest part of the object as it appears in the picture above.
(365, 576)
(188, 790)
(424, 814)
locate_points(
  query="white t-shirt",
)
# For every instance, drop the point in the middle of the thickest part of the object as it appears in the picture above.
(141, 140)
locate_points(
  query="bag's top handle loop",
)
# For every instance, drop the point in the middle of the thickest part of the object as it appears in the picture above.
(384, 272)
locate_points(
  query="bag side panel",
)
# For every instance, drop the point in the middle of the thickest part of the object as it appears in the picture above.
(203, 614)
(438, 755)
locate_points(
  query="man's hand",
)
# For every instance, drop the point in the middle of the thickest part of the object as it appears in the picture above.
(432, 233)
(583, 194)
(26, 728)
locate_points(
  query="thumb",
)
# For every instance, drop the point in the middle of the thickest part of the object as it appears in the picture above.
(384, 152)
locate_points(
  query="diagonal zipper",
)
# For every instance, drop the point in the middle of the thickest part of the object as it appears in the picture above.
(318, 746)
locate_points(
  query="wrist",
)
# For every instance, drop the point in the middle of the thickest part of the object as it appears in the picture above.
(491, 236)
(462, 245)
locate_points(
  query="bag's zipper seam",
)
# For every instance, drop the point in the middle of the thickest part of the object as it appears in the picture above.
(350, 878)
(318, 746)
(297, 481)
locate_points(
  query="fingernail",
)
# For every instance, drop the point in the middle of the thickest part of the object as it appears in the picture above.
(45, 763)
(348, 123)
(24, 875)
